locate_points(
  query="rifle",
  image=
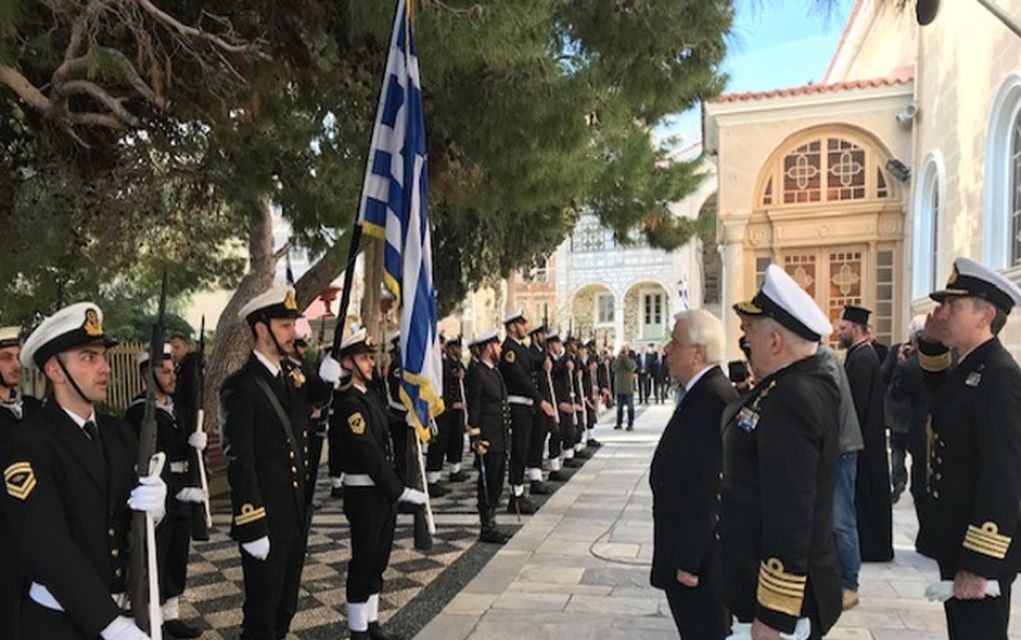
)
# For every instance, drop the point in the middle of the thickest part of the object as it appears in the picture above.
(205, 523)
(145, 593)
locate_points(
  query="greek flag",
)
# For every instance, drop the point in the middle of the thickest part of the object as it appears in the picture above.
(394, 209)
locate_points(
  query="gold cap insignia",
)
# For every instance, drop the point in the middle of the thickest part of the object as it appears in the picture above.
(19, 480)
(953, 277)
(92, 326)
(510, 357)
(357, 424)
(289, 302)
(368, 341)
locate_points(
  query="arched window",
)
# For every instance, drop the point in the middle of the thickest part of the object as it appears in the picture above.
(929, 200)
(1001, 228)
(825, 169)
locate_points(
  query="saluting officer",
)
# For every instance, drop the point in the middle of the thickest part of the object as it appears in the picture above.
(14, 408)
(780, 452)
(489, 418)
(264, 429)
(173, 536)
(542, 367)
(974, 460)
(517, 367)
(359, 431)
(70, 487)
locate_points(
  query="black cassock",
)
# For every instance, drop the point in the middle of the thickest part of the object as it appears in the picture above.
(872, 490)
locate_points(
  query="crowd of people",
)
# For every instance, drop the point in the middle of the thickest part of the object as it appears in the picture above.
(771, 488)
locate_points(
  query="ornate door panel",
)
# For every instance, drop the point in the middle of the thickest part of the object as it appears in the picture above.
(834, 276)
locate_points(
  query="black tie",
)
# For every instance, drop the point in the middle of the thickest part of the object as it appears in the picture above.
(92, 431)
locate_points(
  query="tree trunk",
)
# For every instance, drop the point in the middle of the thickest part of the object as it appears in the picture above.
(320, 275)
(371, 291)
(233, 339)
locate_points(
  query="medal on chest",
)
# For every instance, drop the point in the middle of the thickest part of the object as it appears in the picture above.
(974, 378)
(748, 417)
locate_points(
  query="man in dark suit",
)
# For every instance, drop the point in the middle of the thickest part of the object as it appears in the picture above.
(70, 488)
(264, 429)
(646, 370)
(971, 525)
(780, 451)
(685, 479)
(872, 487)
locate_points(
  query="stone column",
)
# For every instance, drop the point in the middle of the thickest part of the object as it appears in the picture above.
(618, 321)
(732, 282)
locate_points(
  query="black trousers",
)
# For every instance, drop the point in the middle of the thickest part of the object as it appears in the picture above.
(537, 445)
(985, 619)
(556, 435)
(521, 438)
(455, 437)
(173, 542)
(373, 518)
(898, 459)
(569, 428)
(315, 453)
(437, 449)
(488, 493)
(271, 588)
(699, 613)
(644, 387)
(399, 437)
(13, 583)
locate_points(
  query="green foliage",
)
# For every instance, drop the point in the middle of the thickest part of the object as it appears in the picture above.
(135, 325)
(535, 111)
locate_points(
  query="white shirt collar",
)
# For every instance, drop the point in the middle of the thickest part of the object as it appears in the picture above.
(698, 376)
(78, 420)
(274, 370)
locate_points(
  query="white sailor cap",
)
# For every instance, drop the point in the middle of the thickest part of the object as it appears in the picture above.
(10, 336)
(73, 326)
(485, 338)
(358, 342)
(277, 302)
(516, 316)
(782, 299)
(143, 357)
(971, 279)
(553, 337)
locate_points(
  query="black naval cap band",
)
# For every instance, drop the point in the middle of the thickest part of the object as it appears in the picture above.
(68, 341)
(968, 286)
(763, 305)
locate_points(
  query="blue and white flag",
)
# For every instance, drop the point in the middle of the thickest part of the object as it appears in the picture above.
(394, 209)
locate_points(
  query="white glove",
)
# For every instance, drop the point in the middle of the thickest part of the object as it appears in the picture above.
(258, 549)
(198, 440)
(191, 494)
(944, 590)
(122, 628)
(330, 370)
(412, 496)
(743, 631)
(150, 496)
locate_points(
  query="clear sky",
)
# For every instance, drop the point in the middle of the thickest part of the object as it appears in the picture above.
(773, 44)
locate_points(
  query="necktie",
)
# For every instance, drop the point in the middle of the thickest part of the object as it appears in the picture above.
(92, 431)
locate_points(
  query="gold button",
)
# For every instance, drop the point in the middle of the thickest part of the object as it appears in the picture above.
(295, 484)
(114, 553)
(117, 572)
(291, 454)
(935, 494)
(111, 532)
(939, 476)
(294, 469)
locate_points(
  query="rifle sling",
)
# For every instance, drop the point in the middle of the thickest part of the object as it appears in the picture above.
(282, 416)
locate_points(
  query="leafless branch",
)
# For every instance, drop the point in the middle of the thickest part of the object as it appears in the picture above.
(193, 32)
(115, 105)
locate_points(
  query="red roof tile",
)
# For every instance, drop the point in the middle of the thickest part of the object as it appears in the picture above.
(810, 89)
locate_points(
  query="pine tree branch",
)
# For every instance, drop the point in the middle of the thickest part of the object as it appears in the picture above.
(23, 88)
(193, 32)
(72, 87)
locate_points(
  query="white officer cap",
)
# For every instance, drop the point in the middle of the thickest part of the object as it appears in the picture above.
(358, 342)
(143, 357)
(782, 299)
(971, 279)
(517, 316)
(553, 337)
(10, 336)
(485, 338)
(73, 326)
(277, 302)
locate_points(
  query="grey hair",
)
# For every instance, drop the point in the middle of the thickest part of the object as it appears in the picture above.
(704, 330)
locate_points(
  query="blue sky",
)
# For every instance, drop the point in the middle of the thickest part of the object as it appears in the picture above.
(773, 44)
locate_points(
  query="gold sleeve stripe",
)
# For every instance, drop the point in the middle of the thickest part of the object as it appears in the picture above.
(987, 540)
(934, 364)
(474, 432)
(779, 590)
(249, 514)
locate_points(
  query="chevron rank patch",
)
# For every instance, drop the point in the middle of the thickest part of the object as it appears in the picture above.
(19, 480)
(357, 424)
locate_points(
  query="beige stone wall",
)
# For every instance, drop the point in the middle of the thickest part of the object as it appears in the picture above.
(879, 43)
